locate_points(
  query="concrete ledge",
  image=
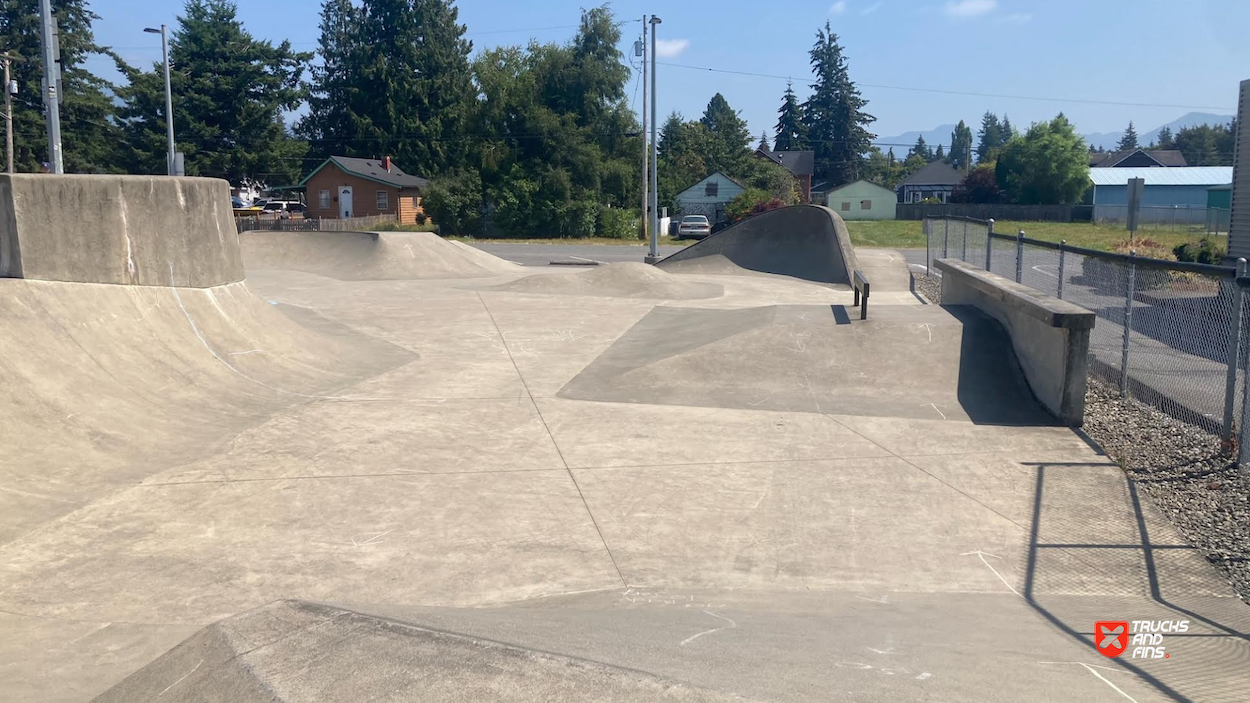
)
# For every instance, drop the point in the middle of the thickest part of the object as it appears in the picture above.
(128, 230)
(1050, 336)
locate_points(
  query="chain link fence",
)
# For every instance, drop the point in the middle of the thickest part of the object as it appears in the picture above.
(1170, 334)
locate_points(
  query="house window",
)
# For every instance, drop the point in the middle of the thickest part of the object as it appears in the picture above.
(846, 206)
(712, 189)
(916, 196)
(865, 205)
(384, 201)
(323, 199)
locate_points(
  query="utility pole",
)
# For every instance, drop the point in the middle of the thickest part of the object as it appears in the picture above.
(646, 145)
(9, 92)
(654, 254)
(51, 85)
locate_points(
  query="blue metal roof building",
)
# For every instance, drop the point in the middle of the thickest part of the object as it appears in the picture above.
(1171, 194)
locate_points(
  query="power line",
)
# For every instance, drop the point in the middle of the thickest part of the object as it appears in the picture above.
(955, 92)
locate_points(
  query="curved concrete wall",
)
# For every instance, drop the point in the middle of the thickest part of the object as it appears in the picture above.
(129, 230)
(805, 241)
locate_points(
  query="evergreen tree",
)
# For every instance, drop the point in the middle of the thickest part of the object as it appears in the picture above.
(961, 146)
(1005, 131)
(1129, 140)
(763, 145)
(921, 149)
(939, 155)
(727, 136)
(328, 124)
(1165, 139)
(413, 93)
(230, 92)
(834, 117)
(790, 133)
(990, 138)
(89, 136)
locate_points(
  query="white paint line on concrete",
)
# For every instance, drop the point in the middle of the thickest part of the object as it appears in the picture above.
(983, 555)
(1044, 273)
(249, 351)
(1090, 668)
(928, 327)
(883, 599)
(939, 412)
(730, 626)
(192, 671)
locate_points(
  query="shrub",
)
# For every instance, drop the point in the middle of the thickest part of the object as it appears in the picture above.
(617, 223)
(1203, 251)
(931, 201)
(455, 202)
(1145, 247)
(743, 206)
(421, 218)
(773, 204)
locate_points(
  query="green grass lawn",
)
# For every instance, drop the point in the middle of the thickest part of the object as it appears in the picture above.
(907, 234)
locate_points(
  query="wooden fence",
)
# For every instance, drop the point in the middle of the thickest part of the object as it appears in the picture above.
(248, 223)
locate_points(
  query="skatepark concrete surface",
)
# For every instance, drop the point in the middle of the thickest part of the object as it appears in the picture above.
(305, 487)
(622, 280)
(365, 256)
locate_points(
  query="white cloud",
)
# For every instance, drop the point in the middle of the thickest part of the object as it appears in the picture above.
(871, 8)
(969, 8)
(670, 48)
(838, 7)
(1015, 18)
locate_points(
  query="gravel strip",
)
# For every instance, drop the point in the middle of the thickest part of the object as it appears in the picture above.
(1180, 467)
(928, 286)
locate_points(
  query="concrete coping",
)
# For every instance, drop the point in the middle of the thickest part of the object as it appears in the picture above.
(1045, 308)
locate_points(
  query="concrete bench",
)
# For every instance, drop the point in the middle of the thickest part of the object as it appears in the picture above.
(1050, 336)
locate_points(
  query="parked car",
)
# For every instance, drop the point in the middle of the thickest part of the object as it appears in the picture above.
(284, 208)
(694, 226)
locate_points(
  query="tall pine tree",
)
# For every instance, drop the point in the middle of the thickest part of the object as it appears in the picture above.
(790, 133)
(961, 146)
(412, 94)
(763, 145)
(230, 92)
(921, 149)
(1129, 140)
(1166, 139)
(990, 139)
(727, 136)
(328, 125)
(834, 117)
(89, 137)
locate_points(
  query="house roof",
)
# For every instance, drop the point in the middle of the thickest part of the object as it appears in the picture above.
(1154, 176)
(833, 191)
(372, 169)
(800, 163)
(935, 173)
(706, 178)
(1164, 157)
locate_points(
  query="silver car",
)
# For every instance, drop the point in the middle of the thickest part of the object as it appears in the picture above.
(694, 226)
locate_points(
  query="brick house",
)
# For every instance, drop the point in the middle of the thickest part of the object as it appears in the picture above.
(800, 163)
(343, 186)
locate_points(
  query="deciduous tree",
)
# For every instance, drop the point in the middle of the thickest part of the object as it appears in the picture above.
(1048, 164)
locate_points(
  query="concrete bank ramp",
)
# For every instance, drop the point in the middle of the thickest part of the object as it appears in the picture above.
(365, 256)
(904, 361)
(620, 280)
(298, 652)
(804, 241)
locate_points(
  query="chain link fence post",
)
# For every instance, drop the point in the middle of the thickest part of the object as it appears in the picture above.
(964, 253)
(1020, 257)
(1234, 352)
(1059, 290)
(928, 228)
(946, 233)
(989, 245)
(1128, 322)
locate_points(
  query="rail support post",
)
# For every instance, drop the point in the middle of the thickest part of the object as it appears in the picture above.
(1234, 353)
(1128, 322)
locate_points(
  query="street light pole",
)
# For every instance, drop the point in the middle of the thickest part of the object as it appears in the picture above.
(646, 146)
(51, 85)
(655, 185)
(169, 95)
(8, 112)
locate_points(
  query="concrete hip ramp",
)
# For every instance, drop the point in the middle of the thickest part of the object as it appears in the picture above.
(362, 256)
(810, 242)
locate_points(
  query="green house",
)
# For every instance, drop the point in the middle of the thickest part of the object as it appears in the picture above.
(861, 200)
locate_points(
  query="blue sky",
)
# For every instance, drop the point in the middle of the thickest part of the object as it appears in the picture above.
(1156, 52)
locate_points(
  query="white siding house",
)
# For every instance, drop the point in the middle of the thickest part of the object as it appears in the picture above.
(709, 197)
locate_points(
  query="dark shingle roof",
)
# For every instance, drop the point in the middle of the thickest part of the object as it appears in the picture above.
(373, 169)
(800, 163)
(935, 173)
(1167, 157)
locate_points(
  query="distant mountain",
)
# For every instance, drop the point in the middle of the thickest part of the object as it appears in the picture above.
(902, 142)
(1108, 140)
(1101, 140)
